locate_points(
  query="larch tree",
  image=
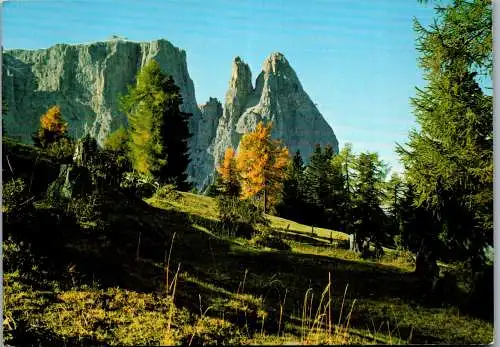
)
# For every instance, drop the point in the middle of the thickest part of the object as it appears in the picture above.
(449, 160)
(261, 163)
(53, 127)
(158, 129)
(229, 178)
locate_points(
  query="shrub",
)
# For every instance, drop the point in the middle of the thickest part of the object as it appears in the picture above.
(87, 211)
(212, 191)
(167, 192)
(117, 141)
(238, 217)
(15, 199)
(62, 149)
(140, 185)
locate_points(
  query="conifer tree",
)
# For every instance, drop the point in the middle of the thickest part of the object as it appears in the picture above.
(346, 159)
(292, 204)
(261, 163)
(394, 193)
(449, 160)
(368, 214)
(53, 127)
(321, 182)
(229, 184)
(158, 129)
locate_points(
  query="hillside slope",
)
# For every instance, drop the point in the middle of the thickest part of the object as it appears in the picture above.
(131, 272)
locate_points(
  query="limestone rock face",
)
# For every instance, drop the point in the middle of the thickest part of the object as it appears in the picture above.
(237, 95)
(86, 81)
(278, 96)
(211, 112)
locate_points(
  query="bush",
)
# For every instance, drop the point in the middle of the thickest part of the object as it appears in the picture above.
(270, 239)
(117, 141)
(238, 217)
(62, 149)
(140, 185)
(212, 191)
(87, 211)
(15, 199)
(167, 192)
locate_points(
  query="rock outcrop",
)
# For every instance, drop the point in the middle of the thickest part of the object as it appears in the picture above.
(278, 96)
(211, 112)
(87, 80)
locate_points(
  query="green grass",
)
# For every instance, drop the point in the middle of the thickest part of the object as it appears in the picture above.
(75, 285)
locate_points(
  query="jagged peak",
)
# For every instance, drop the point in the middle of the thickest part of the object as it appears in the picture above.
(275, 61)
(241, 75)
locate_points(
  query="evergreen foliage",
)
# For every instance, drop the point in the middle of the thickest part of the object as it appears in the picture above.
(158, 129)
(370, 219)
(346, 159)
(449, 160)
(292, 205)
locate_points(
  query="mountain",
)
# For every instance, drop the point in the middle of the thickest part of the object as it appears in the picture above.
(86, 81)
(278, 97)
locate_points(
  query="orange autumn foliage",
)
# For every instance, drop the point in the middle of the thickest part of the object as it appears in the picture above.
(53, 122)
(229, 173)
(261, 163)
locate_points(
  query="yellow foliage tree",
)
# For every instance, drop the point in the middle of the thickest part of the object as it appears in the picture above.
(262, 163)
(229, 173)
(53, 121)
(52, 127)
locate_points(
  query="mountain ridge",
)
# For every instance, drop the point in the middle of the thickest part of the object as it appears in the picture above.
(86, 81)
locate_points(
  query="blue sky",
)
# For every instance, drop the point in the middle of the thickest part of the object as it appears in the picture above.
(355, 58)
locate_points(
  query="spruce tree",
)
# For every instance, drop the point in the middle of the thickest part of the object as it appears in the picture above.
(368, 214)
(291, 206)
(347, 159)
(318, 186)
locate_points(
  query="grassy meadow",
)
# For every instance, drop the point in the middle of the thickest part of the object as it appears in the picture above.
(159, 272)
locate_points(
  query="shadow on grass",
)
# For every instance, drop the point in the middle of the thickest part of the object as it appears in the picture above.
(131, 251)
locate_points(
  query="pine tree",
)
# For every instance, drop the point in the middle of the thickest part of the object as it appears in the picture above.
(158, 129)
(449, 160)
(261, 163)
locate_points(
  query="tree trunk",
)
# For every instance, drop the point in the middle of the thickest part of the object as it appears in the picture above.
(426, 267)
(355, 243)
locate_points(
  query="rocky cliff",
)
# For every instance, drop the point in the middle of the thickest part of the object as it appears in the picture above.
(86, 81)
(278, 96)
